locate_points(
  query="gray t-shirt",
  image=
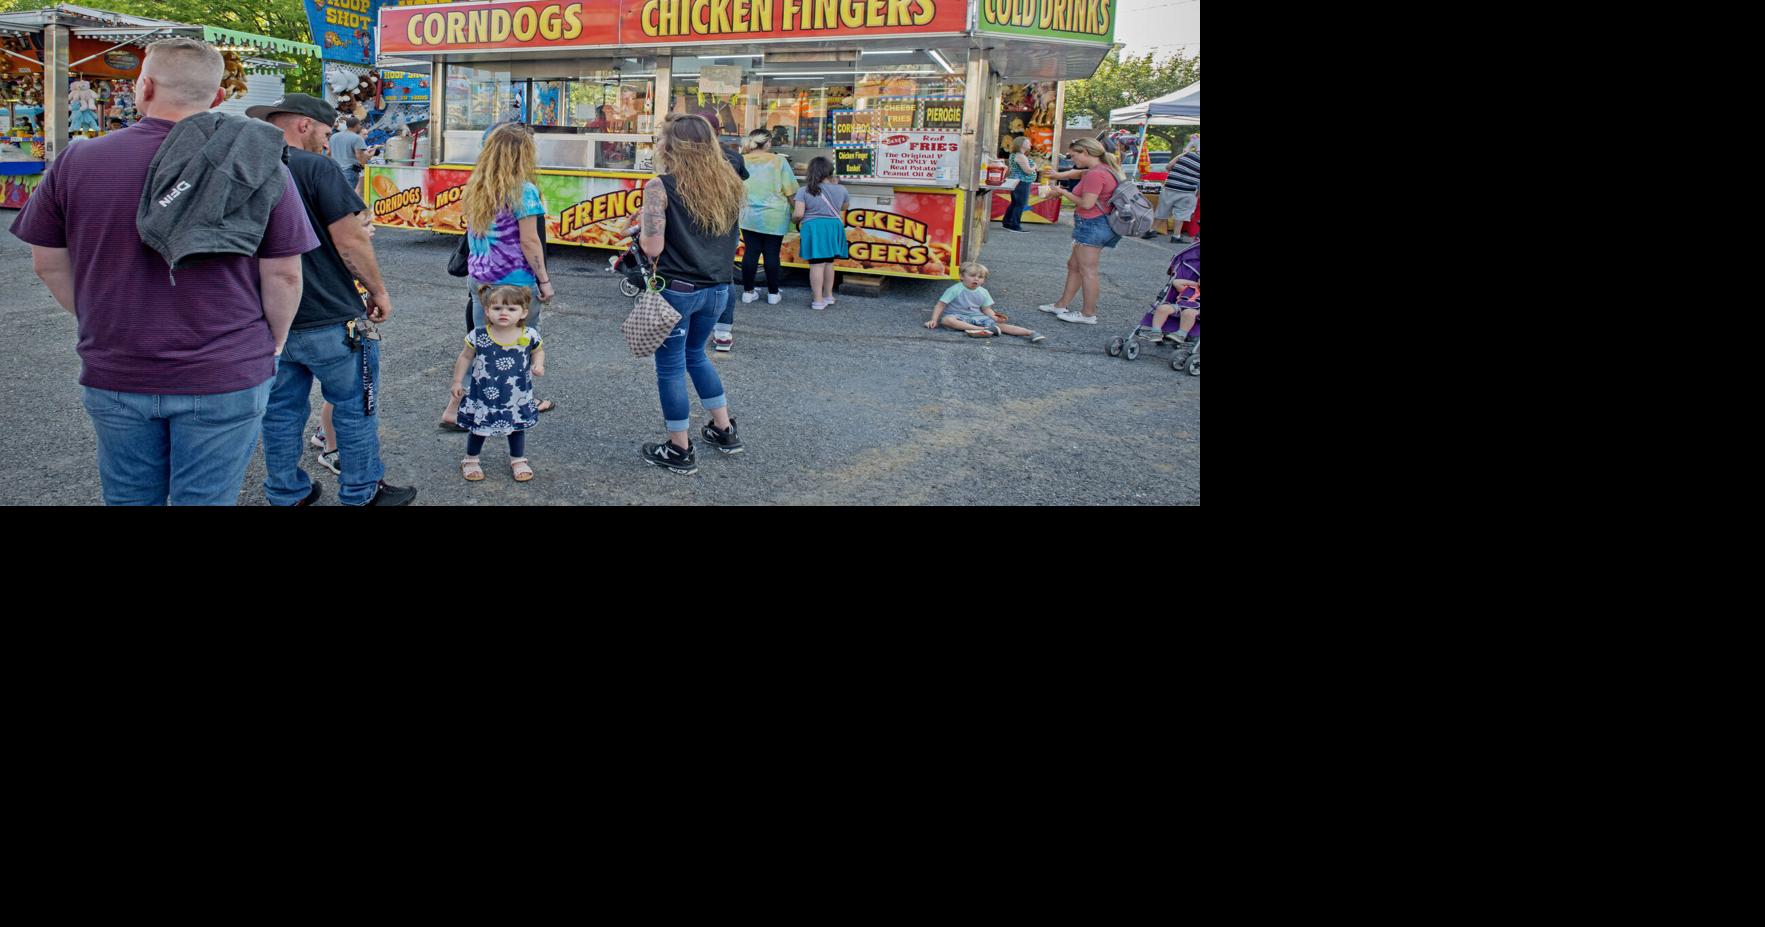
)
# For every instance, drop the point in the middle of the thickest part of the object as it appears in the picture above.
(344, 148)
(816, 208)
(959, 298)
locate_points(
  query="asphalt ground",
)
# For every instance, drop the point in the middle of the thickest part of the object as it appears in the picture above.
(857, 405)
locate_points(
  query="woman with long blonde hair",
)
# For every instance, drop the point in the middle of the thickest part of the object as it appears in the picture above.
(503, 210)
(1091, 233)
(691, 215)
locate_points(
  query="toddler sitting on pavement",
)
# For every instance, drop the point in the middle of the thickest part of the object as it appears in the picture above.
(968, 308)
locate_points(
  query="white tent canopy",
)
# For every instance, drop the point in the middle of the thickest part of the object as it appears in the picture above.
(1182, 108)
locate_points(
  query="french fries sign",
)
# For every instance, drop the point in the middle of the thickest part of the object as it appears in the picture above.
(915, 237)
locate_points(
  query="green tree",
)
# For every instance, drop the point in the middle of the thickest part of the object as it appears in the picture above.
(1125, 81)
(281, 19)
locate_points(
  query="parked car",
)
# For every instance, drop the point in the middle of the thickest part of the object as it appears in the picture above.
(1153, 179)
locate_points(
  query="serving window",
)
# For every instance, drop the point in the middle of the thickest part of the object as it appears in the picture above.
(885, 115)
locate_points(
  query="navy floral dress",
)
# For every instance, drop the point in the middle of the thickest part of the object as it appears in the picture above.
(499, 385)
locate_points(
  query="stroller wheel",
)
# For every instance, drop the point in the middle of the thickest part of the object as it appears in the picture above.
(1115, 347)
(629, 288)
(1195, 366)
(1132, 350)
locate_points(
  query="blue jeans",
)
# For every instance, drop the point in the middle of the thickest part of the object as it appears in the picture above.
(191, 450)
(478, 307)
(684, 353)
(1020, 198)
(726, 322)
(319, 353)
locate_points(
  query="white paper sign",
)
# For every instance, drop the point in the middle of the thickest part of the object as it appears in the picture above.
(925, 157)
(720, 78)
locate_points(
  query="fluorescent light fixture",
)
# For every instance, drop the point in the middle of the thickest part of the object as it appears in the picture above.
(840, 73)
(911, 51)
(940, 60)
(718, 57)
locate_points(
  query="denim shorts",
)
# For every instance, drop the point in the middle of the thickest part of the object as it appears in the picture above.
(1094, 232)
(977, 319)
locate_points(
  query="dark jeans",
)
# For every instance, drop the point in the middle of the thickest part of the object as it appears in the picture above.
(517, 444)
(754, 245)
(1020, 199)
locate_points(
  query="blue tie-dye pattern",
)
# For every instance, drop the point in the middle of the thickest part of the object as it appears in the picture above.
(497, 257)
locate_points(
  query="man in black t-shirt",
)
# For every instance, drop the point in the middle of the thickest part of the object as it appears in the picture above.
(328, 341)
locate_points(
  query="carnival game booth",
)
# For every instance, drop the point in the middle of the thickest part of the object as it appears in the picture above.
(66, 70)
(901, 95)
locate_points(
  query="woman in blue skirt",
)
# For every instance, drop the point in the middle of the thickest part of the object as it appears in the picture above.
(821, 208)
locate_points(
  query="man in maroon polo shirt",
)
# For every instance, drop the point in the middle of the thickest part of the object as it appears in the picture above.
(176, 371)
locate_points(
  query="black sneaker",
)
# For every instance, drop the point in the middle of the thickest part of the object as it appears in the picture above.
(312, 498)
(1149, 236)
(389, 494)
(725, 441)
(669, 457)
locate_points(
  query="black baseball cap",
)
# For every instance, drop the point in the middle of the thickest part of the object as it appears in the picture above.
(299, 104)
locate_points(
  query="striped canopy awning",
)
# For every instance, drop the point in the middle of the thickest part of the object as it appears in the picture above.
(263, 43)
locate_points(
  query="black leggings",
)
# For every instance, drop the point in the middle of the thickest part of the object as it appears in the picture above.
(517, 444)
(754, 244)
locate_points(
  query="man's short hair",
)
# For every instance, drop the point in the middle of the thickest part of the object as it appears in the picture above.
(287, 120)
(351, 123)
(186, 70)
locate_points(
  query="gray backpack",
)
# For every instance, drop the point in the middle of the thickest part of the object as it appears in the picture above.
(1130, 215)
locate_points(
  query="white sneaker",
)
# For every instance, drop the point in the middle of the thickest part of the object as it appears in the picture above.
(832, 299)
(1079, 317)
(818, 305)
(772, 299)
(720, 342)
(318, 440)
(1050, 307)
(749, 296)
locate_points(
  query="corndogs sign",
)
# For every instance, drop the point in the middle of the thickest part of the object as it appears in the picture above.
(588, 24)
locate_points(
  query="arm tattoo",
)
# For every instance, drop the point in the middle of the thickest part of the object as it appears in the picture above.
(655, 208)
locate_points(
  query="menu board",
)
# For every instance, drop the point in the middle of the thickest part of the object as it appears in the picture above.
(897, 115)
(917, 156)
(941, 115)
(850, 128)
(853, 162)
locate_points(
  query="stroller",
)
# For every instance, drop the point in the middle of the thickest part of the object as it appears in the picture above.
(1185, 265)
(631, 265)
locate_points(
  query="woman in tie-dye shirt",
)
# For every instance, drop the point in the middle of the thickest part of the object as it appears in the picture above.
(503, 210)
(766, 218)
